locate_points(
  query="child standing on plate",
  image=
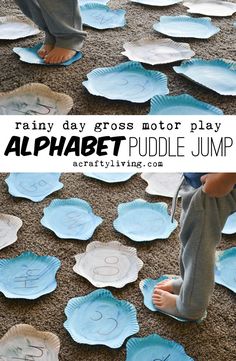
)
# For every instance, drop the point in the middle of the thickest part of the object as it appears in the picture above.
(204, 213)
(61, 22)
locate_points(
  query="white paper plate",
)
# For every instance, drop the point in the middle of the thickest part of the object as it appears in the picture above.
(157, 2)
(34, 99)
(163, 184)
(157, 51)
(211, 7)
(108, 264)
(24, 342)
(9, 226)
(12, 28)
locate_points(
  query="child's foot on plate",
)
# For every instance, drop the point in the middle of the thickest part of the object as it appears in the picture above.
(165, 301)
(45, 50)
(166, 285)
(59, 55)
(172, 284)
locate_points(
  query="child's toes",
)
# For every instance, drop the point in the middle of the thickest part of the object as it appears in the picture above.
(45, 50)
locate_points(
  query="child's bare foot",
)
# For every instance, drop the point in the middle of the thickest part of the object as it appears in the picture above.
(45, 50)
(165, 301)
(173, 284)
(166, 285)
(59, 55)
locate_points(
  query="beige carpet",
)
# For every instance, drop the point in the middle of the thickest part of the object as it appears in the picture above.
(213, 340)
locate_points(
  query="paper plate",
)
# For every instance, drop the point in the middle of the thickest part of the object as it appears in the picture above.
(157, 51)
(108, 264)
(24, 342)
(33, 186)
(144, 221)
(34, 99)
(110, 177)
(30, 56)
(230, 225)
(186, 27)
(218, 74)
(154, 348)
(9, 226)
(28, 276)
(100, 16)
(183, 104)
(12, 28)
(211, 7)
(100, 319)
(71, 218)
(163, 184)
(157, 2)
(147, 287)
(127, 81)
(225, 268)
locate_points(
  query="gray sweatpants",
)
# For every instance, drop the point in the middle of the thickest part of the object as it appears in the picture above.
(59, 19)
(202, 221)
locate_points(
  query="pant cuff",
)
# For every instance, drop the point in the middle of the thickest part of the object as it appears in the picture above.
(70, 43)
(49, 39)
(189, 314)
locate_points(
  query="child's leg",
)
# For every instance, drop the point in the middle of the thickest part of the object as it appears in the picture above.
(64, 23)
(32, 10)
(174, 285)
(202, 224)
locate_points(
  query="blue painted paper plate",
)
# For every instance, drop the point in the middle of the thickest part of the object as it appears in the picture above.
(29, 55)
(100, 16)
(225, 268)
(155, 347)
(157, 2)
(71, 218)
(186, 27)
(28, 276)
(144, 221)
(110, 177)
(100, 319)
(147, 287)
(183, 104)
(230, 225)
(33, 186)
(218, 74)
(127, 81)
